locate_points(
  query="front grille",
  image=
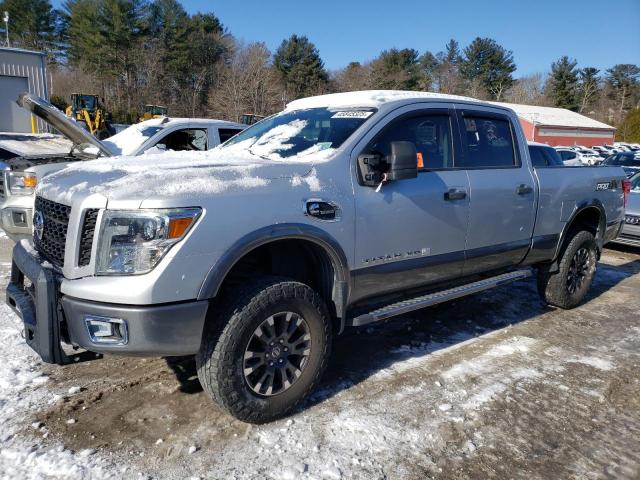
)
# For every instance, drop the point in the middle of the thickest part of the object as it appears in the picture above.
(2, 192)
(54, 233)
(86, 238)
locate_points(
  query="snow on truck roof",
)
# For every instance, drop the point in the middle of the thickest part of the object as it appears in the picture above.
(370, 98)
(553, 117)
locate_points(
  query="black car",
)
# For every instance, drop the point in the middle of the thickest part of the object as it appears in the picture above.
(629, 161)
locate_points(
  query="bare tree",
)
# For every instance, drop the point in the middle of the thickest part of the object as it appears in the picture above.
(528, 90)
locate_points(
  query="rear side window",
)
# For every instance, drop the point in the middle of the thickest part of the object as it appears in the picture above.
(566, 155)
(431, 134)
(489, 142)
(227, 133)
(552, 157)
(537, 157)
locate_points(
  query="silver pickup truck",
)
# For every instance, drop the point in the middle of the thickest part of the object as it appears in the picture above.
(340, 211)
(19, 174)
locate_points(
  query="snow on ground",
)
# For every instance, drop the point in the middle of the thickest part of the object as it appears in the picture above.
(490, 386)
(24, 388)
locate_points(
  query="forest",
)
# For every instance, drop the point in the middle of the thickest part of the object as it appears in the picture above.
(137, 52)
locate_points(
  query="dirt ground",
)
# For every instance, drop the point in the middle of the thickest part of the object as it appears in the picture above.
(492, 386)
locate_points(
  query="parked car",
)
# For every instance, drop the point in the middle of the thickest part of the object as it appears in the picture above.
(603, 151)
(571, 157)
(343, 210)
(630, 234)
(629, 161)
(19, 174)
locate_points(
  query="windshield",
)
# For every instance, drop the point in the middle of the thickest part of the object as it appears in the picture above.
(300, 132)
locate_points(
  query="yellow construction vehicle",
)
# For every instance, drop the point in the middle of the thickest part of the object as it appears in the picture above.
(86, 109)
(153, 111)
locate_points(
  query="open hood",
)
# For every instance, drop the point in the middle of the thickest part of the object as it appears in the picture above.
(58, 120)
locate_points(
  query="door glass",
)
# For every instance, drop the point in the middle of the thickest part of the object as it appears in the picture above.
(227, 133)
(185, 139)
(431, 134)
(489, 143)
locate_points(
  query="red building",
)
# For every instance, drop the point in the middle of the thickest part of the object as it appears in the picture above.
(558, 126)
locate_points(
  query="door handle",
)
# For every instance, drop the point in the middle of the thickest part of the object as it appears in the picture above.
(455, 194)
(523, 189)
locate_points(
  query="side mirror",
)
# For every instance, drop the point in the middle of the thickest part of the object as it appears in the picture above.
(403, 162)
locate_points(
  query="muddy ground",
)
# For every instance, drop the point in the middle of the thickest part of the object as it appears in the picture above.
(492, 386)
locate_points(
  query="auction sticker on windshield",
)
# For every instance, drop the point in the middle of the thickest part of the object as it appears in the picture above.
(352, 114)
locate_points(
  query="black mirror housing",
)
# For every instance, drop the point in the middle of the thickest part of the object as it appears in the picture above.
(403, 161)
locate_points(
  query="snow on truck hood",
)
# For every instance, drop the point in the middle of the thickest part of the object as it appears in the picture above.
(180, 174)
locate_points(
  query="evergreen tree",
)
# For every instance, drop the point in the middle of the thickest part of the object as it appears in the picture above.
(622, 81)
(32, 24)
(562, 86)
(301, 68)
(489, 64)
(588, 87)
(396, 69)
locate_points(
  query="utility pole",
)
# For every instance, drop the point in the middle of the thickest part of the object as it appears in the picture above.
(6, 26)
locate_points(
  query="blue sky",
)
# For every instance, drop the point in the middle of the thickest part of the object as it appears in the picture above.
(596, 33)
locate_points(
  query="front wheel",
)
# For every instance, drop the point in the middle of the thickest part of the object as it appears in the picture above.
(567, 287)
(266, 350)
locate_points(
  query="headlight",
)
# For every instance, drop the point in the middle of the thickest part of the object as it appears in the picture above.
(133, 242)
(22, 183)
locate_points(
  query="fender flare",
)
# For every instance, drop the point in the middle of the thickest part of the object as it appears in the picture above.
(285, 231)
(582, 206)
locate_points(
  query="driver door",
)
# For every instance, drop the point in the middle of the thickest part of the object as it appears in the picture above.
(412, 232)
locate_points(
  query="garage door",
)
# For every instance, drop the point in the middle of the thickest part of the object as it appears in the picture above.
(12, 117)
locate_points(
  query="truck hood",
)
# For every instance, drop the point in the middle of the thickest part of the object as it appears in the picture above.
(58, 120)
(161, 178)
(30, 144)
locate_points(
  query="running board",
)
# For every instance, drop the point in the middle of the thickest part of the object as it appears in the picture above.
(423, 301)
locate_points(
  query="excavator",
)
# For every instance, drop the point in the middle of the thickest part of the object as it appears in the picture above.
(153, 111)
(86, 109)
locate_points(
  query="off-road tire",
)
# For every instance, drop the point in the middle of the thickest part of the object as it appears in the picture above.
(553, 287)
(228, 331)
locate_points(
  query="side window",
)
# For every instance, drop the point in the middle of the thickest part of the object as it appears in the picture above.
(185, 139)
(227, 133)
(552, 157)
(431, 134)
(537, 158)
(489, 142)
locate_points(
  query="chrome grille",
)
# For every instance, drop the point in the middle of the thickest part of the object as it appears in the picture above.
(54, 233)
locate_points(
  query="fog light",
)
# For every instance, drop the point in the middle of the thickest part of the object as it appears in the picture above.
(106, 330)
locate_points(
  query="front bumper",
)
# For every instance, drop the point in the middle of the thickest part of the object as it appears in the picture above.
(52, 319)
(16, 221)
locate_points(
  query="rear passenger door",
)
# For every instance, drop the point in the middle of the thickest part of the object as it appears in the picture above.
(501, 190)
(225, 133)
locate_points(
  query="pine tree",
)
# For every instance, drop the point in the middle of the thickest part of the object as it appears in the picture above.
(396, 69)
(301, 68)
(622, 81)
(32, 24)
(491, 65)
(562, 86)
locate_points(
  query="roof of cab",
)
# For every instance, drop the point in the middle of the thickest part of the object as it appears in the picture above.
(203, 121)
(379, 99)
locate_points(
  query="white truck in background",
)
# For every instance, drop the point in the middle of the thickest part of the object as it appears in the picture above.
(20, 174)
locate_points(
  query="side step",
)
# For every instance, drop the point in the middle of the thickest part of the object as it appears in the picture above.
(423, 301)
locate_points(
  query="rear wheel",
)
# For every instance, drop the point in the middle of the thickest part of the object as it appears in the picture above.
(266, 350)
(567, 287)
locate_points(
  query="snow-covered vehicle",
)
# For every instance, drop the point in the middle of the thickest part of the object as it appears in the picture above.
(27, 159)
(342, 210)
